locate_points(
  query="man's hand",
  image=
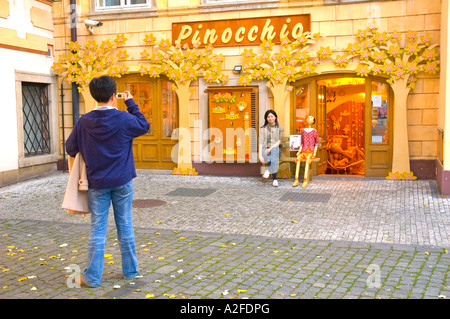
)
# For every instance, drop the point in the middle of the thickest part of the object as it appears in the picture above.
(128, 95)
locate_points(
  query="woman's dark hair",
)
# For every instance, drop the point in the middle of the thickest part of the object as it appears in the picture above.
(267, 114)
(102, 88)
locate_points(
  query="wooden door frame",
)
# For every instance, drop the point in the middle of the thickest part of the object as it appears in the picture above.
(157, 125)
(370, 169)
(253, 119)
(312, 81)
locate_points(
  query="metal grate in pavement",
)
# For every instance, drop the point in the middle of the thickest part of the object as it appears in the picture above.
(146, 203)
(192, 192)
(306, 197)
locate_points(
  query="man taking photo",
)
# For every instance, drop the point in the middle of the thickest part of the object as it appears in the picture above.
(104, 137)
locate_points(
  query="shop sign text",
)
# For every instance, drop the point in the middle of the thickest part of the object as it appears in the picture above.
(240, 32)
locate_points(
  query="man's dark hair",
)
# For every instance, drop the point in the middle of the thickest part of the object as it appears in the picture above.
(102, 88)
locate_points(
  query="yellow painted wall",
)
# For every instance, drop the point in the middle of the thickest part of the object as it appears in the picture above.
(40, 16)
(336, 23)
(4, 9)
(444, 88)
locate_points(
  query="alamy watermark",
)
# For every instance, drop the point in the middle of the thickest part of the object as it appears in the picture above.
(75, 272)
(374, 279)
(238, 142)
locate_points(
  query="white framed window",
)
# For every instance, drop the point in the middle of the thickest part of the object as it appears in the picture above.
(217, 1)
(344, 1)
(122, 4)
(229, 5)
(37, 119)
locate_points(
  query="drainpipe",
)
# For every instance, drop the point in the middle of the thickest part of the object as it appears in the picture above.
(73, 38)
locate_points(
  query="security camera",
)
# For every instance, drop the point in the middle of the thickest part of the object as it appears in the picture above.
(93, 23)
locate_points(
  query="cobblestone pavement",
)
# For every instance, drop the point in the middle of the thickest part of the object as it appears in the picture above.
(220, 238)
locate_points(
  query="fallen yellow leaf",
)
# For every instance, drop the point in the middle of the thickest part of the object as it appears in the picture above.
(150, 296)
(240, 291)
(22, 278)
(276, 251)
(294, 221)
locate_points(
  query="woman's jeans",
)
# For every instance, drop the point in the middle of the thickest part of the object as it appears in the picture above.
(99, 203)
(273, 159)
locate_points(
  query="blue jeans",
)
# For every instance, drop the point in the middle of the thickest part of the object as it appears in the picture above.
(273, 159)
(99, 203)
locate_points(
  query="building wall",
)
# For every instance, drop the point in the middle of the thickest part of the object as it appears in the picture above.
(337, 25)
(26, 34)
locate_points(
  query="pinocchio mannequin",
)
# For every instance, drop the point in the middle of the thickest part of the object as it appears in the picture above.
(308, 149)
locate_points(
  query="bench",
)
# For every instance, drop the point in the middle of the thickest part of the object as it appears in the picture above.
(291, 159)
(312, 169)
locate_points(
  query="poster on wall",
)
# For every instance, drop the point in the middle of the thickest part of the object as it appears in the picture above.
(376, 100)
(294, 142)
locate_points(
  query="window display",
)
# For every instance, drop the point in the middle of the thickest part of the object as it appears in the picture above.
(344, 104)
(232, 115)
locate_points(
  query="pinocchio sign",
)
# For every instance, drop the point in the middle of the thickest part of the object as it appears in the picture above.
(237, 32)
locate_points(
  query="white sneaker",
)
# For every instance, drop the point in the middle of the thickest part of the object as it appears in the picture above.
(266, 174)
(275, 183)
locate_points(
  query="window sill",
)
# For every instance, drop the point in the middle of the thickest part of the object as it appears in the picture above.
(119, 14)
(38, 160)
(227, 6)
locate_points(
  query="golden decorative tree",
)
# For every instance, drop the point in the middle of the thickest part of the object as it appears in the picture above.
(182, 65)
(84, 62)
(282, 64)
(383, 54)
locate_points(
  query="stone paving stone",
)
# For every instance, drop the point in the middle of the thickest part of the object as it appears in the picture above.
(210, 274)
(239, 241)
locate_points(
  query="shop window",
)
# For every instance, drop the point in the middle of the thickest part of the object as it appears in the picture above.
(379, 112)
(302, 106)
(169, 109)
(341, 106)
(143, 95)
(36, 131)
(232, 123)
